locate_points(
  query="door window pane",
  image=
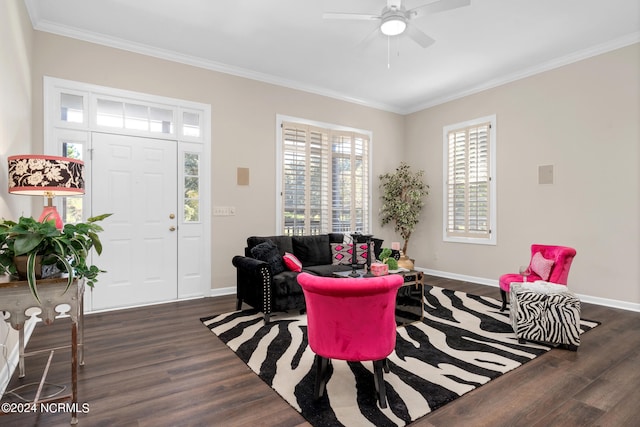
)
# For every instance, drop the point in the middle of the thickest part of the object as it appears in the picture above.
(110, 114)
(136, 117)
(71, 108)
(72, 206)
(191, 187)
(191, 124)
(161, 120)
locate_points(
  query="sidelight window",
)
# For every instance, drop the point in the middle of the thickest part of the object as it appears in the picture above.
(191, 187)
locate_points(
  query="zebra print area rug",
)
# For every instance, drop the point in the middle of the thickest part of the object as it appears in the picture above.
(463, 342)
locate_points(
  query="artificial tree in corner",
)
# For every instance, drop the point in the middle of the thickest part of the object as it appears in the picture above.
(403, 194)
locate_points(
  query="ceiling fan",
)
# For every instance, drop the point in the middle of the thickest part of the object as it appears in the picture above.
(395, 18)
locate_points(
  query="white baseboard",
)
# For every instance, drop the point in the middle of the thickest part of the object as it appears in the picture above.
(218, 292)
(461, 277)
(623, 305)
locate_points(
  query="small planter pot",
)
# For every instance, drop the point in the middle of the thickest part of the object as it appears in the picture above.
(405, 262)
(21, 266)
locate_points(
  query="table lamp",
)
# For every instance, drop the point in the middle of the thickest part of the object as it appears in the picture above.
(49, 176)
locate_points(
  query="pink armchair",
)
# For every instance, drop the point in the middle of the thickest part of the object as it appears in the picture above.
(351, 319)
(562, 258)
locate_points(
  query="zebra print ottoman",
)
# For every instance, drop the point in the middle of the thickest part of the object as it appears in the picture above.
(545, 312)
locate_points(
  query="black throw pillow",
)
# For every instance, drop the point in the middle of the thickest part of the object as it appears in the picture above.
(268, 252)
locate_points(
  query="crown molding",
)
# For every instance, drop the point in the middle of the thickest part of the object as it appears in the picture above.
(531, 71)
(143, 49)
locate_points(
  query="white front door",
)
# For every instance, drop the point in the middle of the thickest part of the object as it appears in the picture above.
(135, 178)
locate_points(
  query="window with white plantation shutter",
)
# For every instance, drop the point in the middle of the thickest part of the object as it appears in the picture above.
(469, 205)
(325, 179)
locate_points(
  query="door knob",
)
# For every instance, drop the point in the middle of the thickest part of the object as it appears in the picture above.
(172, 228)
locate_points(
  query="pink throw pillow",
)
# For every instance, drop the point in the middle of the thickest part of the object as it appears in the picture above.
(292, 262)
(343, 254)
(541, 266)
(340, 253)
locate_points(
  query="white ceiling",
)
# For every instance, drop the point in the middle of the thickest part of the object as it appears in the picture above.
(287, 42)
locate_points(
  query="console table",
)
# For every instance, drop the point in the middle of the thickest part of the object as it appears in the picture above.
(410, 295)
(16, 299)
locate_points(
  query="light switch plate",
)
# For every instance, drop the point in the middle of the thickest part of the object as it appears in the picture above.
(224, 210)
(220, 211)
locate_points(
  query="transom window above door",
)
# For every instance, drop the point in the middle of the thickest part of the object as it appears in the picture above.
(86, 110)
(138, 117)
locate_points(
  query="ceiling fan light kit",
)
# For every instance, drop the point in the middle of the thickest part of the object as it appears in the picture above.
(393, 25)
(394, 18)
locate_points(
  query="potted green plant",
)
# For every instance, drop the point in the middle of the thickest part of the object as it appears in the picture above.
(403, 194)
(43, 244)
(386, 258)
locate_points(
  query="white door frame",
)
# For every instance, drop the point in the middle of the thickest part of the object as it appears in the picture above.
(194, 237)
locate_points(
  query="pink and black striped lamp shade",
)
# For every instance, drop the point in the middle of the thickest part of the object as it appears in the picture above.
(49, 176)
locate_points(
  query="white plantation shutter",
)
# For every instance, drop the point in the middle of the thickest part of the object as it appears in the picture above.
(468, 187)
(317, 176)
(305, 174)
(325, 180)
(350, 184)
(361, 184)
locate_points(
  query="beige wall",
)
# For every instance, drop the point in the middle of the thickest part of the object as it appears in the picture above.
(15, 126)
(243, 128)
(15, 98)
(582, 118)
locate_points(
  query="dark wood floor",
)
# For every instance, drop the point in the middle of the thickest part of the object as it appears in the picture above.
(159, 366)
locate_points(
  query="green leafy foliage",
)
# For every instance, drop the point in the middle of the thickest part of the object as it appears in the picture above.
(403, 194)
(68, 248)
(386, 258)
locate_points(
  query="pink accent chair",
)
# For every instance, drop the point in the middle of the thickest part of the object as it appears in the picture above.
(562, 257)
(351, 319)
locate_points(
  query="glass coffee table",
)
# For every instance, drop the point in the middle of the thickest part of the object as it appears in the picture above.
(409, 307)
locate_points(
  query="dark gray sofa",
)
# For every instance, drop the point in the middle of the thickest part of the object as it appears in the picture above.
(259, 287)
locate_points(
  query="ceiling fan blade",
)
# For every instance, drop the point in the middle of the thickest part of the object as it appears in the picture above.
(355, 16)
(367, 40)
(419, 37)
(438, 6)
